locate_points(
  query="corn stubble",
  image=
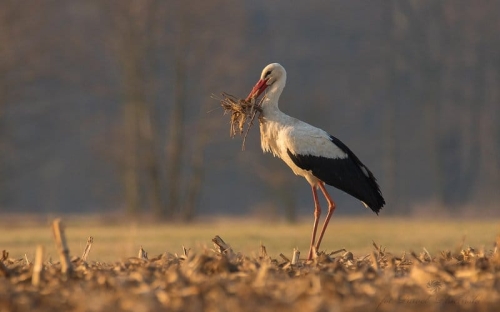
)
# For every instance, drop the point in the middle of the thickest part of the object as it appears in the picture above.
(222, 279)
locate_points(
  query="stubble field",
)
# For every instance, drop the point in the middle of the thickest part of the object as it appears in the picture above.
(364, 264)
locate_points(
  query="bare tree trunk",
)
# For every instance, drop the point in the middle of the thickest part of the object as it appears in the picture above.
(472, 156)
(152, 144)
(488, 138)
(24, 60)
(134, 96)
(133, 27)
(150, 162)
(433, 136)
(391, 161)
(175, 144)
(130, 174)
(426, 23)
(196, 180)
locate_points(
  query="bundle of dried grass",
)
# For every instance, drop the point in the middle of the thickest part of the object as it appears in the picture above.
(243, 113)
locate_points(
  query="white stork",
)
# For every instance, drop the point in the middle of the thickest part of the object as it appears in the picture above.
(311, 152)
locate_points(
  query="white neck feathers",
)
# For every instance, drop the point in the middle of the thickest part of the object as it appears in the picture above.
(271, 100)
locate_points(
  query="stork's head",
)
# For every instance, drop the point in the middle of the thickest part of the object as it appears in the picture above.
(272, 74)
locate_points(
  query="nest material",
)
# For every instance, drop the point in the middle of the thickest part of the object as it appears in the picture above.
(243, 113)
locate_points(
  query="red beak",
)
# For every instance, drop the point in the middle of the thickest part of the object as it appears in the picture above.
(257, 90)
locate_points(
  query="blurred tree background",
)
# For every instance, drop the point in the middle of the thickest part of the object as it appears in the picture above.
(105, 105)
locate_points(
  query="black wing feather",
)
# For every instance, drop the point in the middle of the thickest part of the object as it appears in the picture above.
(345, 174)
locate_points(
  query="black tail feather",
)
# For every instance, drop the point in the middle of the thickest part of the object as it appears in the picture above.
(347, 174)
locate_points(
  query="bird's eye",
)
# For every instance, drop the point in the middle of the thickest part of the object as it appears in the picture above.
(267, 73)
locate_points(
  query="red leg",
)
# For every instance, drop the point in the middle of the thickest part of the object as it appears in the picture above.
(317, 213)
(331, 209)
